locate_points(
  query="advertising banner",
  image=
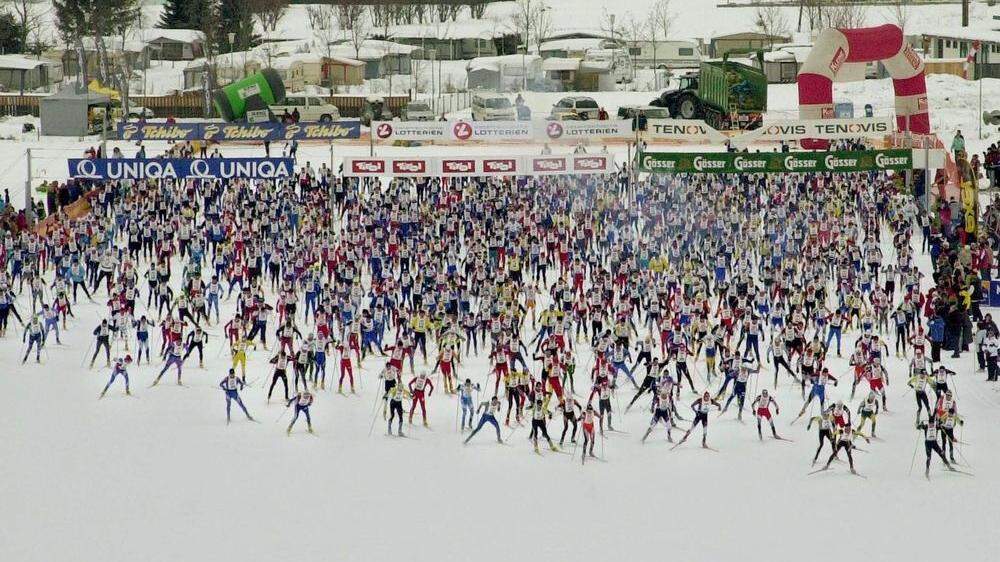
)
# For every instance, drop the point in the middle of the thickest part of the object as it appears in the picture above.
(543, 131)
(688, 130)
(468, 166)
(994, 299)
(774, 162)
(581, 130)
(822, 129)
(259, 132)
(180, 168)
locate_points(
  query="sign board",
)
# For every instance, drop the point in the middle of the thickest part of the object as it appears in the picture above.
(470, 166)
(822, 129)
(468, 131)
(180, 168)
(773, 162)
(258, 132)
(994, 299)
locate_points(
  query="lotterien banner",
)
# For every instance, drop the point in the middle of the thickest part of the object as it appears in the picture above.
(774, 162)
(180, 168)
(333, 130)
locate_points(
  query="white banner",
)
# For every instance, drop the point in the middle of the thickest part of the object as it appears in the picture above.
(410, 130)
(823, 129)
(589, 129)
(461, 131)
(469, 166)
(691, 130)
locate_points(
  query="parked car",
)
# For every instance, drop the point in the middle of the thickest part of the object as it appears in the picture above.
(310, 108)
(374, 109)
(417, 111)
(492, 107)
(639, 114)
(581, 106)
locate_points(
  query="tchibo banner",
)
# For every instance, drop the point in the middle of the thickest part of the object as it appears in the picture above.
(470, 166)
(219, 132)
(180, 168)
(773, 162)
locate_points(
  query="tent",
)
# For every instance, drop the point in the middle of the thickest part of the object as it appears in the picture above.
(67, 112)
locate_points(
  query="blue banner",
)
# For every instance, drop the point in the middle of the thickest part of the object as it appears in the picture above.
(218, 132)
(179, 168)
(994, 299)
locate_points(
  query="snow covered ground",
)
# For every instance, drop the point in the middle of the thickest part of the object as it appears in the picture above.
(159, 476)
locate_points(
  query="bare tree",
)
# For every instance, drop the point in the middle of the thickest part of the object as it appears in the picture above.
(267, 12)
(771, 21)
(848, 16)
(660, 24)
(533, 19)
(325, 27)
(899, 13)
(355, 22)
(477, 9)
(633, 31)
(28, 15)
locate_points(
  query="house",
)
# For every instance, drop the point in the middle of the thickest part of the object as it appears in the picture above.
(665, 54)
(24, 74)
(956, 43)
(781, 67)
(381, 58)
(310, 69)
(131, 53)
(464, 40)
(173, 44)
(575, 74)
(741, 43)
(503, 73)
(574, 47)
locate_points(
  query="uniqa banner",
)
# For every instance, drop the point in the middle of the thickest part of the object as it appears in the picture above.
(180, 168)
(822, 129)
(773, 162)
(219, 132)
(469, 166)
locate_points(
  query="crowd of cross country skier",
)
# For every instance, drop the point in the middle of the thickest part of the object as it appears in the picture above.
(571, 306)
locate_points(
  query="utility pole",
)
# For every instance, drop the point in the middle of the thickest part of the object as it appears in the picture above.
(965, 13)
(29, 206)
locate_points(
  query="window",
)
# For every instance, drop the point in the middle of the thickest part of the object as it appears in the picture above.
(294, 101)
(685, 52)
(635, 51)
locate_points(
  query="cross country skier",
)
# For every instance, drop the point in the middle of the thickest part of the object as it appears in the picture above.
(919, 380)
(701, 407)
(34, 336)
(280, 362)
(231, 385)
(417, 385)
(932, 431)
(302, 401)
(762, 408)
(103, 334)
(947, 424)
(395, 396)
(569, 408)
(490, 410)
(845, 440)
(740, 388)
(173, 358)
(539, 413)
(465, 400)
(663, 404)
(825, 426)
(819, 381)
(118, 370)
(868, 411)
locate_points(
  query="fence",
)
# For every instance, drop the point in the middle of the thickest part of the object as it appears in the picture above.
(192, 104)
(449, 103)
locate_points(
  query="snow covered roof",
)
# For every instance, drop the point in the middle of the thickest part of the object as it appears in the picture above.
(779, 56)
(572, 44)
(287, 61)
(495, 63)
(557, 63)
(968, 33)
(17, 62)
(371, 49)
(181, 35)
(112, 43)
(471, 29)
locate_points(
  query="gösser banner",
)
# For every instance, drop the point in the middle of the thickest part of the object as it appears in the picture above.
(576, 164)
(333, 130)
(500, 130)
(768, 162)
(177, 168)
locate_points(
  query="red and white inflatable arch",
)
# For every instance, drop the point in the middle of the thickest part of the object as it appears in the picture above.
(836, 48)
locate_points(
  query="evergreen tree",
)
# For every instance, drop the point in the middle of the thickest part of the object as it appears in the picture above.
(184, 14)
(236, 17)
